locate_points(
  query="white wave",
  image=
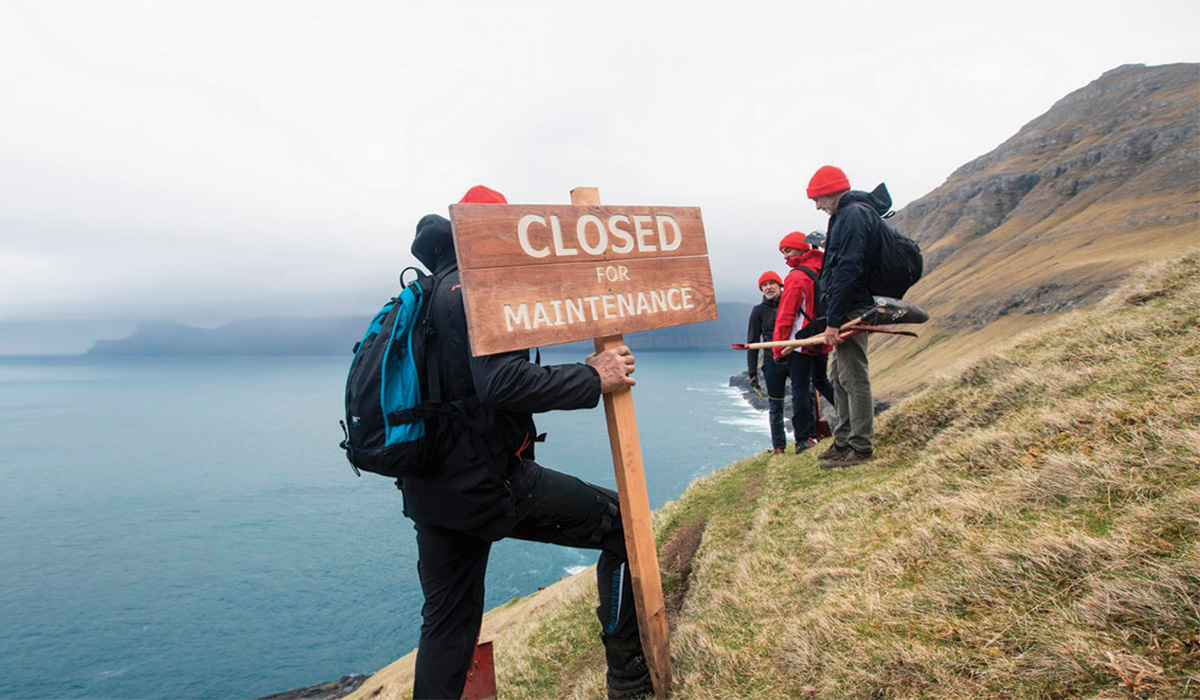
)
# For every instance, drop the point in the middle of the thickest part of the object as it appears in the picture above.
(752, 424)
(572, 570)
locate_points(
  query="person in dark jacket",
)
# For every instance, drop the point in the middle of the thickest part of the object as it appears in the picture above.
(485, 487)
(852, 240)
(762, 328)
(797, 312)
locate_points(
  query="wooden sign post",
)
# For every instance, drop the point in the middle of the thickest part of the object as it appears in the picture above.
(544, 274)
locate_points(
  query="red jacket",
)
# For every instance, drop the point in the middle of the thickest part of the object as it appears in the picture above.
(797, 294)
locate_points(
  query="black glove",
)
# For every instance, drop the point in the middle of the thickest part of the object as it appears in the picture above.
(754, 384)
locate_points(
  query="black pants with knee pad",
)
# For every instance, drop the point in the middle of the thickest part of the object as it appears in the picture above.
(549, 507)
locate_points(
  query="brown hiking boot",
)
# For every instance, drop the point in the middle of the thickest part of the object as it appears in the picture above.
(849, 458)
(835, 450)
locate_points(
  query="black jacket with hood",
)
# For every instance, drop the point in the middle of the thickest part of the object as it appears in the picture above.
(465, 489)
(853, 247)
(762, 327)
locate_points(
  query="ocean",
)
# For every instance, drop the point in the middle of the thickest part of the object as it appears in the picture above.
(188, 527)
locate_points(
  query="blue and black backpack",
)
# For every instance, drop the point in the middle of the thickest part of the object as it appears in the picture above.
(393, 388)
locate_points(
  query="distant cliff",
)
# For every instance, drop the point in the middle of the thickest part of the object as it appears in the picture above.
(336, 336)
(270, 336)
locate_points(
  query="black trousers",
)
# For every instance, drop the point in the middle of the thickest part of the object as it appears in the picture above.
(776, 378)
(800, 369)
(820, 379)
(550, 507)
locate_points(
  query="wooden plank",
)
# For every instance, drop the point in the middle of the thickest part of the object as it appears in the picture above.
(499, 235)
(626, 447)
(513, 308)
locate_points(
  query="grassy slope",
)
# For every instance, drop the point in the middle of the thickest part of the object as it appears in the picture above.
(1030, 530)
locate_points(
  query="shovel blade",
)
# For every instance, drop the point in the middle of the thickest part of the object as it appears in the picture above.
(891, 310)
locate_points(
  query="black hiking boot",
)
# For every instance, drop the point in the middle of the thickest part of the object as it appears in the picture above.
(628, 675)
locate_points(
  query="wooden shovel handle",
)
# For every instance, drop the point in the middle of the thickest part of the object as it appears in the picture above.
(820, 339)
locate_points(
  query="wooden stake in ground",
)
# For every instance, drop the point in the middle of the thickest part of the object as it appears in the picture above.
(635, 510)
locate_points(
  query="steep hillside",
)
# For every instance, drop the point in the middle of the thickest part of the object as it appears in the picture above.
(1031, 529)
(1053, 218)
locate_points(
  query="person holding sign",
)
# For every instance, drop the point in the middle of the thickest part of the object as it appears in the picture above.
(486, 487)
(797, 318)
(762, 327)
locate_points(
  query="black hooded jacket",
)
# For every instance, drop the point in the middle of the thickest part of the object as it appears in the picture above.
(762, 327)
(467, 489)
(853, 246)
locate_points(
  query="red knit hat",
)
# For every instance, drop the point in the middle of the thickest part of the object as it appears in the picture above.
(795, 239)
(769, 276)
(482, 195)
(827, 180)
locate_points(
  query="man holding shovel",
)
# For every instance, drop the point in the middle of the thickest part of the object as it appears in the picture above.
(852, 233)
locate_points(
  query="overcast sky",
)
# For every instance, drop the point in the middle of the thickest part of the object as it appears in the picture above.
(216, 160)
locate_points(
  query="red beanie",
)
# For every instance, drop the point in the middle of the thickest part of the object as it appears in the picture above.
(827, 180)
(769, 276)
(482, 195)
(795, 239)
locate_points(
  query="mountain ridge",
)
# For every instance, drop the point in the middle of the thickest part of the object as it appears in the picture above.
(1053, 218)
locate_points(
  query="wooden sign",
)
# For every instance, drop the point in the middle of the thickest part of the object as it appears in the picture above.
(536, 275)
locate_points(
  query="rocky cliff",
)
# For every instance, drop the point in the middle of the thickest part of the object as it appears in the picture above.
(1054, 217)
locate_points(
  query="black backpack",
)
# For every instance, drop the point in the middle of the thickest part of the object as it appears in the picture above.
(394, 387)
(899, 264)
(815, 326)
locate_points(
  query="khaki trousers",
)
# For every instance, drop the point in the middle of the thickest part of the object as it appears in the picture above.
(852, 395)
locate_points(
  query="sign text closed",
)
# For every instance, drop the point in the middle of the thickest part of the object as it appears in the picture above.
(541, 275)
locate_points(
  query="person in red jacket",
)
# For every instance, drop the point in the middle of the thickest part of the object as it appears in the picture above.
(796, 317)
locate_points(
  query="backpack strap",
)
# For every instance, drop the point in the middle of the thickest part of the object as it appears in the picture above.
(433, 370)
(812, 276)
(460, 411)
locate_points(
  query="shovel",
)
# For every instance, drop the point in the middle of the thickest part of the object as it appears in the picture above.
(886, 310)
